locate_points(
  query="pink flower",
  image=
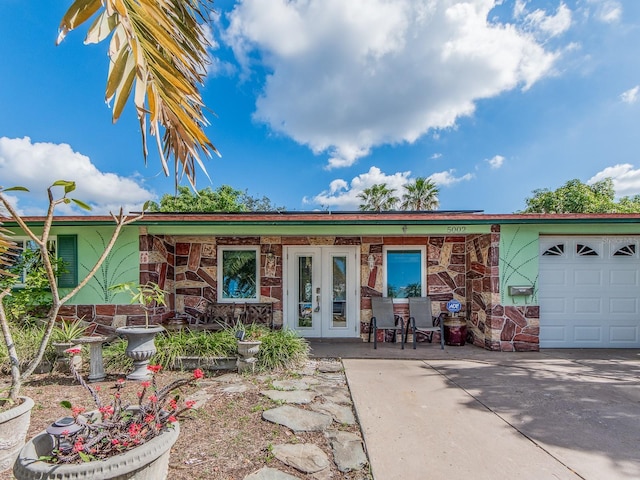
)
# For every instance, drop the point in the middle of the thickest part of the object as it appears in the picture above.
(189, 403)
(135, 429)
(73, 351)
(198, 374)
(75, 411)
(149, 418)
(173, 404)
(78, 446)
(120, 381)
(154, 368)
(153, 398)
(145, 384)
(115, 441)
(172, 419)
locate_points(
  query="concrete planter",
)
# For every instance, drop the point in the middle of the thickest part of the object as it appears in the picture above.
(205, 363)
(14, 424)
(63, 359)
(140, 348)
(247, 351)
(149, 461)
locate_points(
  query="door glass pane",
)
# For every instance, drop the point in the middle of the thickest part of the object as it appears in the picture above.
(339, 289)
(305, 292)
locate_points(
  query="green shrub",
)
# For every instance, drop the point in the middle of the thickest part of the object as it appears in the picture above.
(282, 349)
(279, 349)
(27, 339)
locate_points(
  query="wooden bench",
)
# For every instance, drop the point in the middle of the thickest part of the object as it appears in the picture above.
(224, 315)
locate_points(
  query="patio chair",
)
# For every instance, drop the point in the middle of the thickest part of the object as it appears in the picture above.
(384, 319)
(422, 320)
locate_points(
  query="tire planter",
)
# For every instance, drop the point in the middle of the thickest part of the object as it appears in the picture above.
(14, 424)
(149, 461)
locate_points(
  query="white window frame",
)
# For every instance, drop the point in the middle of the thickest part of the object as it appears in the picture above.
(423, 270)
(220, 272)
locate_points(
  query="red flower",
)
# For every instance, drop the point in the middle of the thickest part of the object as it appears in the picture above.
(153, 398)
(73, 351)
(135, 429)
(145, 384)
(189, 403)
(106, 411)
(172, 419)
(149, 418)
(120, 381)
(154, 368)
(198, 374)
(173, 404)
(78, 446)
(75, 411)
(115, 441)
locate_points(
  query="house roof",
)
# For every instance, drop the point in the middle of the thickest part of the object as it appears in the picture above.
(438, 217)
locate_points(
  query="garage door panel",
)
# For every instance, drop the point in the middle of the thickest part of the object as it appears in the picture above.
(587, 305)
(623, 278)
(619, 305)
(589, 292)
(626, 334)
(587, 333)
(587, 277)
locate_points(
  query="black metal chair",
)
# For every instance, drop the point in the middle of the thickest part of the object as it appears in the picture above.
(384, 319)
(422, 320)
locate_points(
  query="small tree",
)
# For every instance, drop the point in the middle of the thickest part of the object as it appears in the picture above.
(377, 198)
(57, 298)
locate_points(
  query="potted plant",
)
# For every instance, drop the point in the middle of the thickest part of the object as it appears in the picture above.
(118, 440)
(12, 437)
(141, 339)
(63, 337)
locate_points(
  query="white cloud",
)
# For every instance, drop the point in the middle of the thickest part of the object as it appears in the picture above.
(631, 95)
(448, 178)
(543, 24)
(607, 11)
(495, 162)
(37, 165)
(626, 179)
(347, 76)
(343, 195)
(435, 156)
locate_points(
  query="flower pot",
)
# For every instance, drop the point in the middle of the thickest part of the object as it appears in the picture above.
(149, 461)
(140, 348)
(14, 424)
(455, 331)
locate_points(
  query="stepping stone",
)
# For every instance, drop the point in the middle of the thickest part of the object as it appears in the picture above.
(334, 394)
(348, 452)
(340, 413)
(237, 388)
(330, 367)
(297, 419)
(325, 474)
(332, 378)
(228, 378)
(294, 396)
(266, 473)
(291, 385)
(200, 397)
(305, 457)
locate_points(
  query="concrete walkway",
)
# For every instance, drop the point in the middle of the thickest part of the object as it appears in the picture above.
(564, 414)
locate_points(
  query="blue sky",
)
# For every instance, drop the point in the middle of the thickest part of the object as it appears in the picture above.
(313, 101)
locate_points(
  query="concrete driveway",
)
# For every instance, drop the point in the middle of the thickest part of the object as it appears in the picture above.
(556, 414)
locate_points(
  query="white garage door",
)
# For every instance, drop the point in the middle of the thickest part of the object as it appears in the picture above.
(589, 289)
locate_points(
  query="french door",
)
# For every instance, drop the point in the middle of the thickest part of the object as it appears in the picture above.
(321, 290)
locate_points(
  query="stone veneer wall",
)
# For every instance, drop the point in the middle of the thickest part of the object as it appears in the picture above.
(462, 267)
(492, 325)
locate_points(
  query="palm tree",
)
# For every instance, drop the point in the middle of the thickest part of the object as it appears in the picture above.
(377, 198)
(161, 47)
(421, 194)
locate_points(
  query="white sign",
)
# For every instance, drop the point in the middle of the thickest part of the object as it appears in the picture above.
(454, 306)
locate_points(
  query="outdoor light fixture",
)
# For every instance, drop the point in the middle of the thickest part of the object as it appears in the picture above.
(63, 432)
(240, 335)
(371, 261)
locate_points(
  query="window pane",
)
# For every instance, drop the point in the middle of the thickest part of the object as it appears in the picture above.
(404, 273)
(339, 283)
(239, 273)
(305, 278)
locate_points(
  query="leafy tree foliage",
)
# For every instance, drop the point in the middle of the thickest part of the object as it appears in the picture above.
(222, 199)
(377, 198)
(577, 197)
(157, 56)
(421, 194)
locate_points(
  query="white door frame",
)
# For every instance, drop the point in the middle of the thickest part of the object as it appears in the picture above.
(322, 312)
